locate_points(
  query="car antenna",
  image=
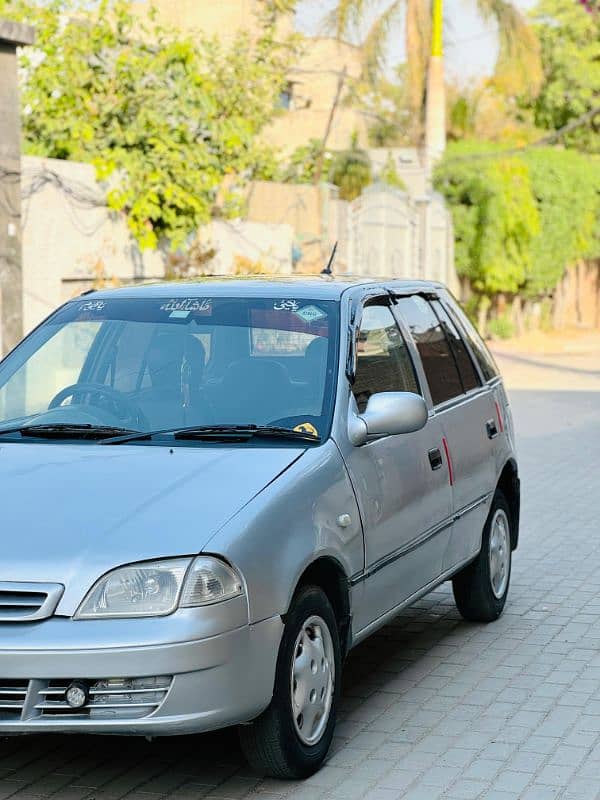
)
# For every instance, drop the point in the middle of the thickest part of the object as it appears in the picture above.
(329, 268)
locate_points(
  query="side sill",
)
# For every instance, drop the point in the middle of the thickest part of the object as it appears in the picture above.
(389, 615)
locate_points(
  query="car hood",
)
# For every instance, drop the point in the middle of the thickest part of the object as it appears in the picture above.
(71, 512)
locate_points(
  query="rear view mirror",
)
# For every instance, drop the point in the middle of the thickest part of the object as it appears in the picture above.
(389, 414)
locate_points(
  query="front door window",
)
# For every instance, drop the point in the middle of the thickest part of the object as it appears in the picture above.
(383, 363)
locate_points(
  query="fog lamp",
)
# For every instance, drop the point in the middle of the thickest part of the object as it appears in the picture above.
(77, 694)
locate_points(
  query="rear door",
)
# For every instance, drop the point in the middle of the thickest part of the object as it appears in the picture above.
(464, 407)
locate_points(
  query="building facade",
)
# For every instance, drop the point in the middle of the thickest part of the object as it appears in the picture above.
(314, 82)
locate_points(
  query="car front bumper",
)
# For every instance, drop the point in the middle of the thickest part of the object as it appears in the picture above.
(204, 682)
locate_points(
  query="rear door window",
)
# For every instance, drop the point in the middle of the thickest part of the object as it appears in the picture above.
(437, 357)
(466, 367)
(482, 355)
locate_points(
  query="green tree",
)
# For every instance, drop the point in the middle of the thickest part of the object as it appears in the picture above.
(566, 185)
(384, 104)
(351, 170)
(520, 219)
(302, 164)
(170, 122)
(389, 174)
(517, 67)
(495, 219)
(348, 169)
(570, 46)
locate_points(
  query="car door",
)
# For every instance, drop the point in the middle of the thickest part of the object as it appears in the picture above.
(401, 482)
(465, 409)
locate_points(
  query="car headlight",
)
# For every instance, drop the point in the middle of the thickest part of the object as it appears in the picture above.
(157, 588)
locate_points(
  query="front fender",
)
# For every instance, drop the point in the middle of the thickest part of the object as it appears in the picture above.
(290, 524)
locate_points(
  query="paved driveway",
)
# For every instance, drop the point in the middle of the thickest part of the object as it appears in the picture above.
(433, 707)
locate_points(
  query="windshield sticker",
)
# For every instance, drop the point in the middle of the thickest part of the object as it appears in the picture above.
(286, 305)
(181, 308)
(310, 314)
(306, 427)
(92, 305)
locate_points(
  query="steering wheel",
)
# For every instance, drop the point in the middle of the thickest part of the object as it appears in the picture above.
(120, 405)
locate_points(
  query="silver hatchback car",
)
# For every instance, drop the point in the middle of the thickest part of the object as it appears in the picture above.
(212, 491)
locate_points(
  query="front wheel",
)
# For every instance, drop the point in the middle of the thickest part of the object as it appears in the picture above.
(292, 737)
(480, 589)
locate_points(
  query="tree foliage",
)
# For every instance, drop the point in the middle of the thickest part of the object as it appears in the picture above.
(351, 171)
(170, 121)
(521, 219)
(301, 166)
(570, 46)
(389, 174)
(517, 70)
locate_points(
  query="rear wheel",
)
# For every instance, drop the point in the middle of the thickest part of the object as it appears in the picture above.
(481, 588)
(292, 737)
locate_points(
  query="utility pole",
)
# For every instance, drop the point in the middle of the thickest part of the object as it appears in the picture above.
(435, 107)
(12, 35)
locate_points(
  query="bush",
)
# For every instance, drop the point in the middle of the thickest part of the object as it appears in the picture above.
(501, 327)
(351, 171)
(389, 174)
(521, 219)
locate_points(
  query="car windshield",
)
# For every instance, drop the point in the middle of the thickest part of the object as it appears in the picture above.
(166, 363)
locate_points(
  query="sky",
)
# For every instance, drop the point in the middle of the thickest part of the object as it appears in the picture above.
(470, 44)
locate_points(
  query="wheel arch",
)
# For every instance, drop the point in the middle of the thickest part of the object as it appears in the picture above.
(328, 574)
(510, 486)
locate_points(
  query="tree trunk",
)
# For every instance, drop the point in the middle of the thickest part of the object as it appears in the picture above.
(558, 307)
(417, 30)
(482, 315)
(517, 315)
(435, 108)
(597, 320)
(580, 271)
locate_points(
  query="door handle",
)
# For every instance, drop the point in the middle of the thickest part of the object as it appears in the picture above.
(435, 458)
(491, 428)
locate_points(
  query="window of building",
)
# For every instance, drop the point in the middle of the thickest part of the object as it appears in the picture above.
(383, 363)
(286, 97)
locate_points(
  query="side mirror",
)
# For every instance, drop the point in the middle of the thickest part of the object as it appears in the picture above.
(388, 414)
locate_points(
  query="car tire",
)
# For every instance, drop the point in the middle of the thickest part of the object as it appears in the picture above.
(292, 737)
(481, 588)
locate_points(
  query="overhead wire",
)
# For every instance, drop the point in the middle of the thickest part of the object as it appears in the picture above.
(550, 138)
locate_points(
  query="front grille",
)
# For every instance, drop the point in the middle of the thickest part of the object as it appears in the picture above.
(26, 602)
(12, 698)
(109, 698)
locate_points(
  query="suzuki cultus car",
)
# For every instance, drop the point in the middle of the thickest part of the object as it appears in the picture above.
(212, 491)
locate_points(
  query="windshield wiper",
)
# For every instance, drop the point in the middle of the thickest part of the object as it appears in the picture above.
(219, 433)
(69, 430)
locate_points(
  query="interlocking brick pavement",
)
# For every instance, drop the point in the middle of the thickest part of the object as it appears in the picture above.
(433, 707)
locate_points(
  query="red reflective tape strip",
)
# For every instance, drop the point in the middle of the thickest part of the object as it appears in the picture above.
(500, 420)
(449, 461)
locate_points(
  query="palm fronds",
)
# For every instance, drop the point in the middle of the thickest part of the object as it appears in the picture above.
(519, 65)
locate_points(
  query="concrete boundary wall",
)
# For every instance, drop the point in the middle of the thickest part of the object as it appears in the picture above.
(72, 242)
(70, 238)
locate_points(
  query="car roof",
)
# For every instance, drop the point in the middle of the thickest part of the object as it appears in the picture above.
(304, 286)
